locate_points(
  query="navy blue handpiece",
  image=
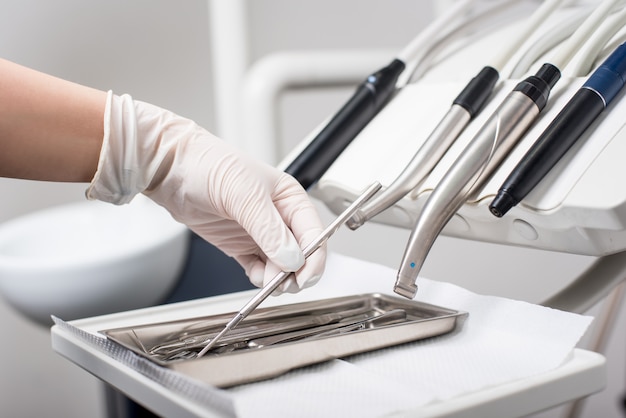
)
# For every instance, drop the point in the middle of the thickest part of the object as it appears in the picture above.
(344, 126)
(577, 115)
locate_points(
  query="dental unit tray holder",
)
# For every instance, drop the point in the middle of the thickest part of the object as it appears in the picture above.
(578, 208)
(264, 345)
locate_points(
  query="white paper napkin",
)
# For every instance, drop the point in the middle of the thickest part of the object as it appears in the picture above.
(502, 340)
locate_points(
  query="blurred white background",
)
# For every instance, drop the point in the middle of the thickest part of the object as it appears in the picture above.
(160, 51)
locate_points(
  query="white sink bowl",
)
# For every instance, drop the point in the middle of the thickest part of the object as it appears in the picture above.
(90, 258)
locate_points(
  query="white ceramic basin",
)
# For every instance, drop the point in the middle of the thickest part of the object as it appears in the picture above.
(90, 258)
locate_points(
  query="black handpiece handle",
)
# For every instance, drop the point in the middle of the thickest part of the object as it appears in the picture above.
(477, 91)
(577, 115)
(568, 126)
(364, 104)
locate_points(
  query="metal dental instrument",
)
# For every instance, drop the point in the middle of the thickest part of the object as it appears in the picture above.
(280, 277)
(482, 155)
(379, 88)
(368, 99)
(167, 348)
(384, 318)
(485, 152)
(244, 340)
(466, 105)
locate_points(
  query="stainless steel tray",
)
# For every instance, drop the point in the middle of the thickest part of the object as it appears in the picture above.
(272, 341)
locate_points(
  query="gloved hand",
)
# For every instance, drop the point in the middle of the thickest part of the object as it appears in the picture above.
(253, 212)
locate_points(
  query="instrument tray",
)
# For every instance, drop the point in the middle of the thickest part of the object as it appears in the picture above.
(274, 340)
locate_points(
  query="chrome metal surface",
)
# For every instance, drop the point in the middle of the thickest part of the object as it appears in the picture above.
(260, 330)
(420, 166)
(367, 322)
(280, 277)
(384, 318)
(469, 172)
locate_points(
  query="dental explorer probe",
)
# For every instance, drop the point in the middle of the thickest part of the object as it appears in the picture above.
(484, 153)
(466, 105)
(268, 289)
(368, 99)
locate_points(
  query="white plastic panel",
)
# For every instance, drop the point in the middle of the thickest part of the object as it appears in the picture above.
(579, 208)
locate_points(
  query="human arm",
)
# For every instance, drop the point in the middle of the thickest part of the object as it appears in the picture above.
(50, 129)
(55, 130)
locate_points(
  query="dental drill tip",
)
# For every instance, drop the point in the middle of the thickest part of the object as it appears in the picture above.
(405, 288)
(357, 220)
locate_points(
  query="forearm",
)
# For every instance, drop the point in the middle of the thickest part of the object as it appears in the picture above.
(50, 129)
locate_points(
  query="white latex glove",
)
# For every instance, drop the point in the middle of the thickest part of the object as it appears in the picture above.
(253, 212)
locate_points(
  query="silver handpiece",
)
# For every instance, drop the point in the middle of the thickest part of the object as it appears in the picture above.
(280, 277)
(464, 107)
(473, 167)
(472, 99)
(483, 154)
(422, 163)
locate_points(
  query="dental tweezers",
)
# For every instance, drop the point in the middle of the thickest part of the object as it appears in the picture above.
(282, 276)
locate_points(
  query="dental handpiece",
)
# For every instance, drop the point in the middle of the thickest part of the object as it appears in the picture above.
(268, 289)
(470, 170)
(563, 132)
(463, 109)
(368, 99)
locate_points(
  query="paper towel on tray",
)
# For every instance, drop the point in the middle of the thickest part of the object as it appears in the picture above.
(502, 340)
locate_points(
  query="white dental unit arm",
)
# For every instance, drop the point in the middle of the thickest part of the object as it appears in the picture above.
(578, 208)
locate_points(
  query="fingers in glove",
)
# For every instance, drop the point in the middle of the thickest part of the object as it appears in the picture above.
(302, 218)
(313, 269)
(260, 273)
(273, 236)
